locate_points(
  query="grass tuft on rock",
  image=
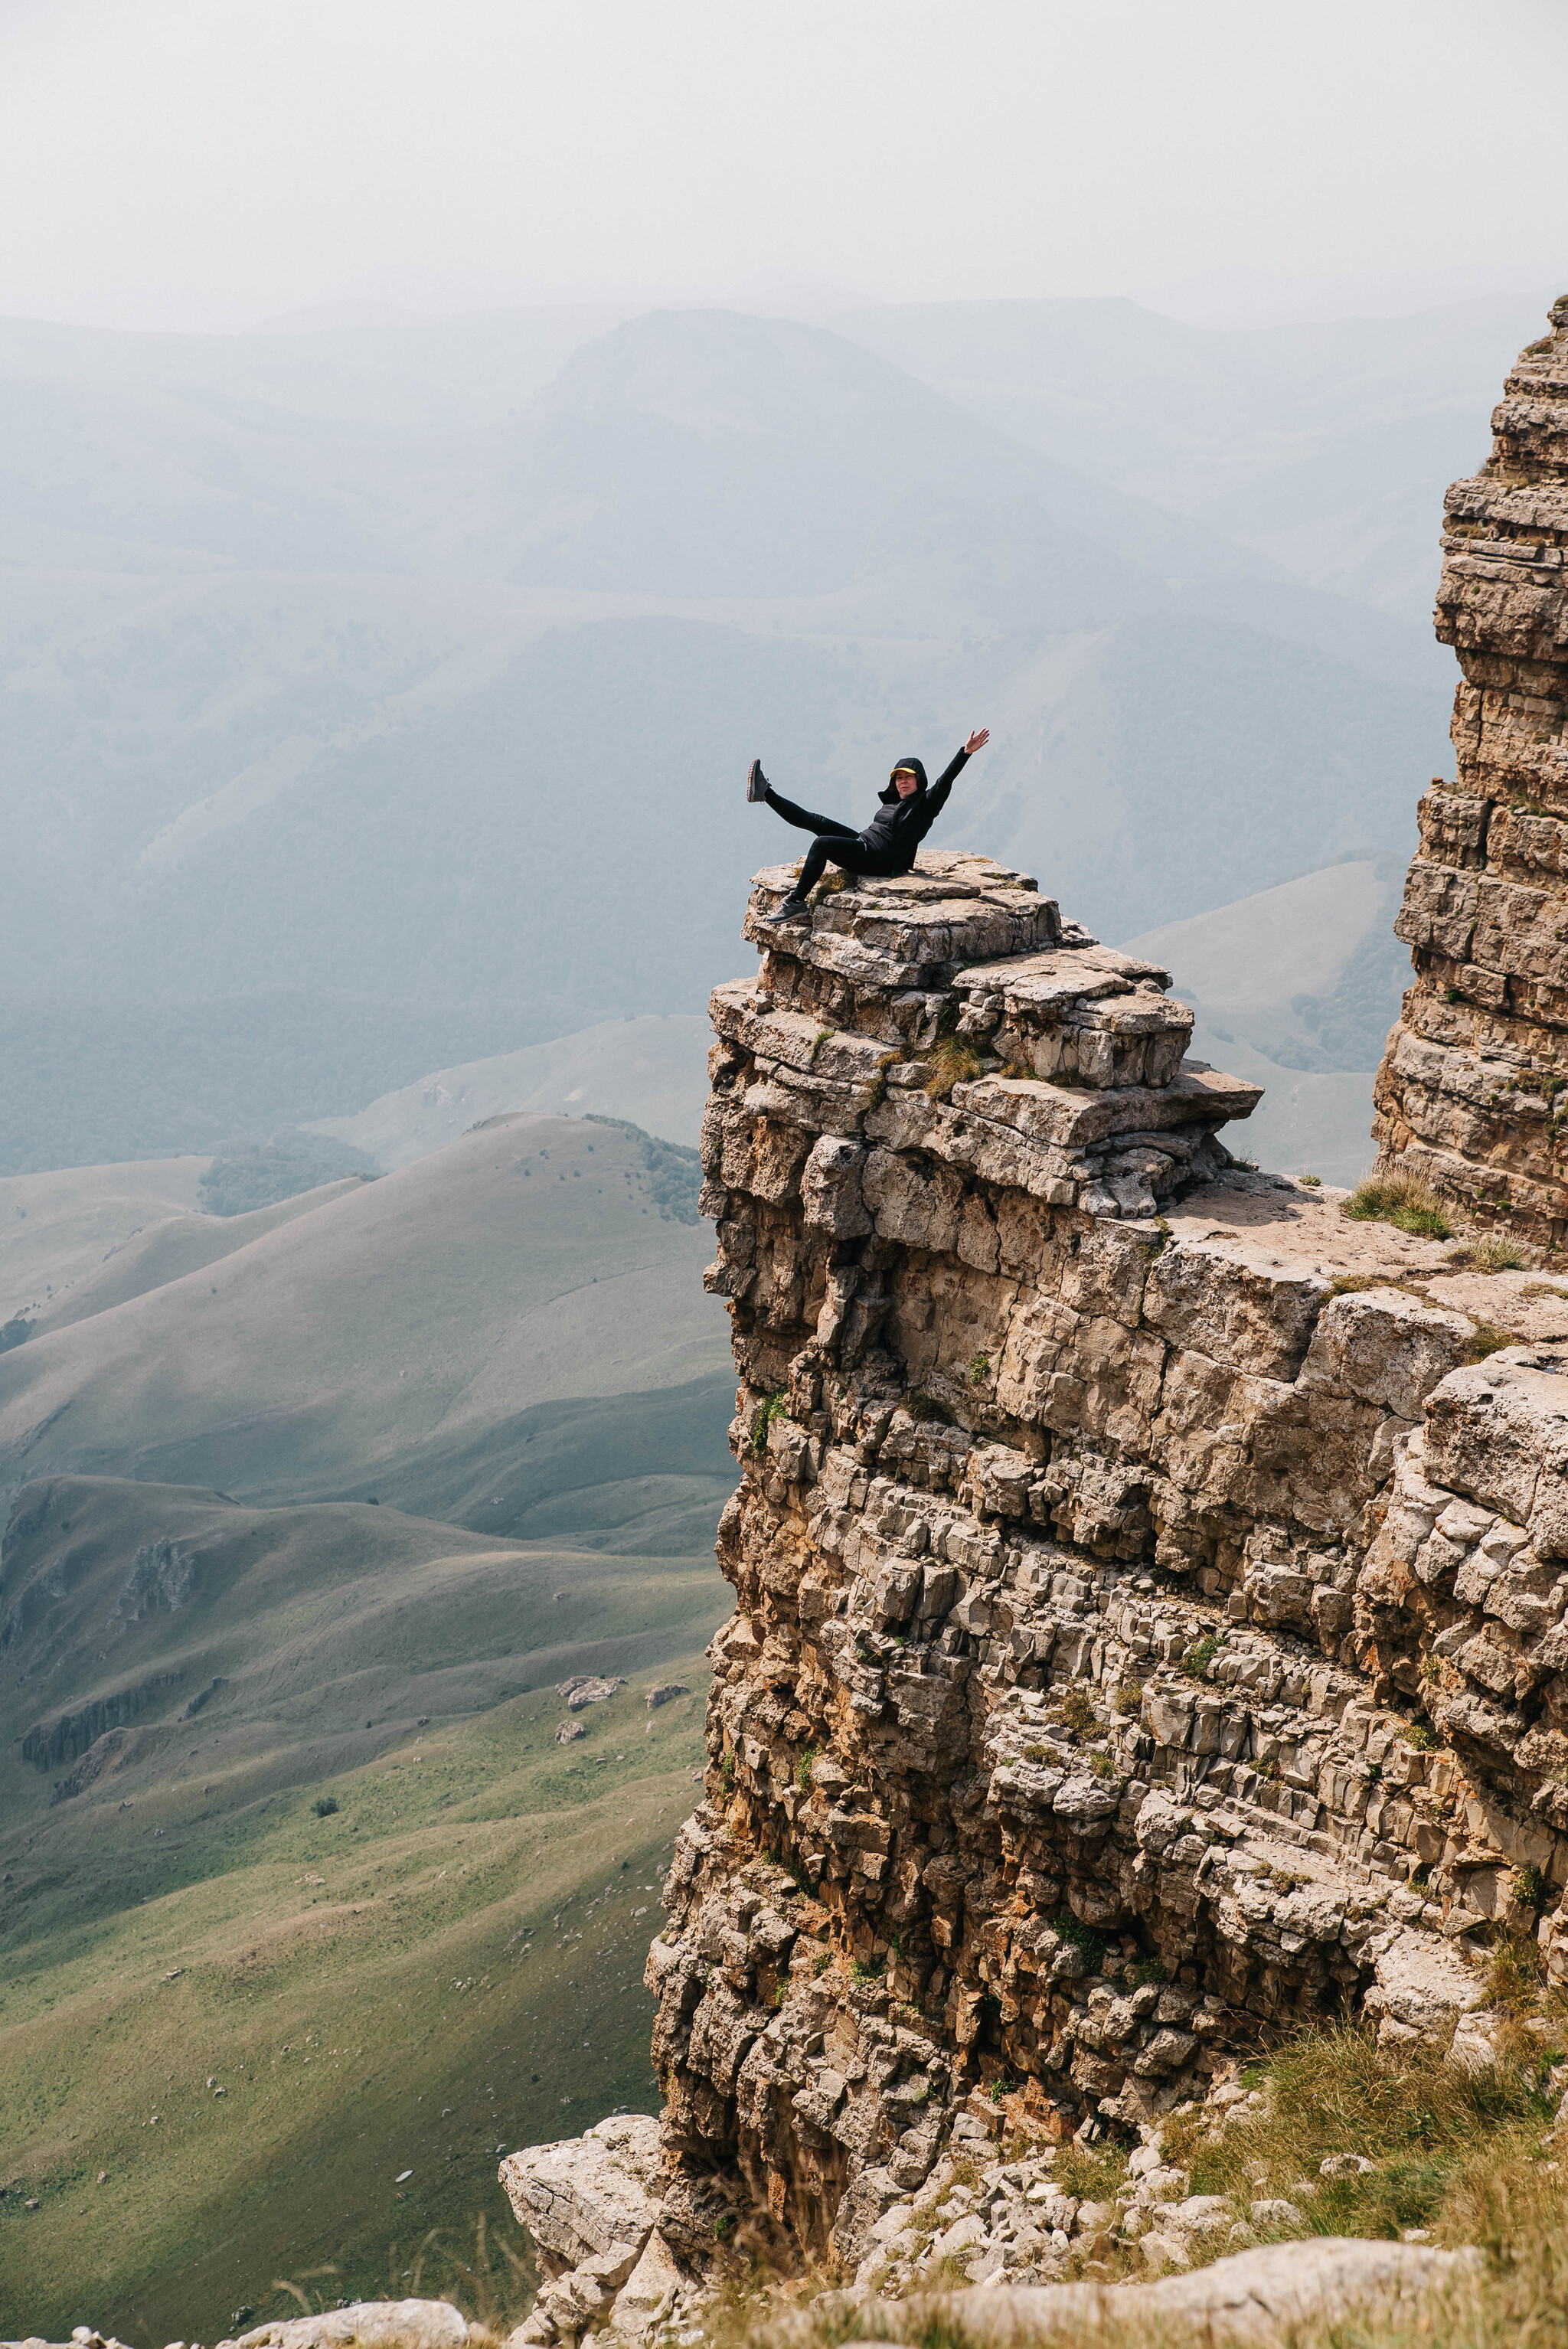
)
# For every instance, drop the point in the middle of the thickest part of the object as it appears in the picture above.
(1402, 1200)
(1487, 1338)
(1433, 2129)
(953, 1063)
(1493, 1252)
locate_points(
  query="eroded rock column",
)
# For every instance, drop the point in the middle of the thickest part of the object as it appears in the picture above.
(1473, 1091)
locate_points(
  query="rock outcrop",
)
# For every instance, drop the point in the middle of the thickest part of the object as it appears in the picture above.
(1086, 1702)
(1150, 1598)
(1470, 1094)
(591, 2205)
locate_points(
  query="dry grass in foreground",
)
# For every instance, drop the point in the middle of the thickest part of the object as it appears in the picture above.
(1493, 1252)
(1464, 2156)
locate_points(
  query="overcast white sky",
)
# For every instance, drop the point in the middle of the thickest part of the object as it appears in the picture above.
(206, 163)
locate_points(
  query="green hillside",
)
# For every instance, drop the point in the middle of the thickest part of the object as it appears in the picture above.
(427, 1340)
(377, 1990)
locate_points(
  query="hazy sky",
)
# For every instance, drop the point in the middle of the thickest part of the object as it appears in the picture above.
(205, 163)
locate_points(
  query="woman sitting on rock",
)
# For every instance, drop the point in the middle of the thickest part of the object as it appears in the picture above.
(910, 806)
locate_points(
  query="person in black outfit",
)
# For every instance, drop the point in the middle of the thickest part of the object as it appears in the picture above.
(910, 806)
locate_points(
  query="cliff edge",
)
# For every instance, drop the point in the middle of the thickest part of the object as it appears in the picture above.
(1149, 1594)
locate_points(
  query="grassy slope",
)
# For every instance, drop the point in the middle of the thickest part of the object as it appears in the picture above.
(377, 1991)
(371, 1343)
(58, 1229)
(165, 1251)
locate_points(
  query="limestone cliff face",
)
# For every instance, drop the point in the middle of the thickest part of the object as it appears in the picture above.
(1149, 1616)
(1472, 1089)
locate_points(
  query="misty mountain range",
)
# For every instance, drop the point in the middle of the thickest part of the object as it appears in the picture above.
(379, 699)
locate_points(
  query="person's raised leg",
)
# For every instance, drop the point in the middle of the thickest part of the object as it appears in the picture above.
(757, 787)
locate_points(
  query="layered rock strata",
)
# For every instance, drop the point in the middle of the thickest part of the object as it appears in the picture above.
(1471, 1091)
(1131, 1653)
(1150, 1600)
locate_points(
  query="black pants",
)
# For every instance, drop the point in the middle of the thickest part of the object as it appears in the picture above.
(835, 843)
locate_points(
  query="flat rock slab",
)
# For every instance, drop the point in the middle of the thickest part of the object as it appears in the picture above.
(1270, 1221)
(1075, 1119)
(1258, 2297)
(1074, 972)
(368, 2324)
(1530, 1306)
(587, 1688)
(587, 2197)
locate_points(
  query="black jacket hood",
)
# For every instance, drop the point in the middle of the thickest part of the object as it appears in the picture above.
(888, 796)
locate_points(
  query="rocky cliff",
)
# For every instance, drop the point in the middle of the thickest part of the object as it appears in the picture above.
(1149, 1592)
(1469, 1091)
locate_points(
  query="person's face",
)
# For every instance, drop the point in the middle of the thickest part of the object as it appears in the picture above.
(903, 784)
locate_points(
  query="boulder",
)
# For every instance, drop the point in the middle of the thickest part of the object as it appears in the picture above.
(1256, 2299)
(591, 2197)
(367, 2324)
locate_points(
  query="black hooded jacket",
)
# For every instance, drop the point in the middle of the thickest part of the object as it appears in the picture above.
(900, 825)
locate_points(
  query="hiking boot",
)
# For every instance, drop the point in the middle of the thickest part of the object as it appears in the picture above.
(756, 781)
(793, 909)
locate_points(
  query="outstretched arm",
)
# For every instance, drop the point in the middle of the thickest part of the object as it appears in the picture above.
(937, 798)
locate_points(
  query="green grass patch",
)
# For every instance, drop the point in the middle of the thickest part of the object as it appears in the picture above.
(1400, 1199)
(1493, 1252)
(952, 1062)
(1084, 1939)
(1431, 2127)
(776, 1406)
(377, 1986)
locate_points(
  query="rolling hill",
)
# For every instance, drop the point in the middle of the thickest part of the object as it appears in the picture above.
(297, 1877)
(509, 1331)
(229, 2025)
(651, 1071)
(158, 1252)
(1170, 766)
(56, 1228)
(1326, 446)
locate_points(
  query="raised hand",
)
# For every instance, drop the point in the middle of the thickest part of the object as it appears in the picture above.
(978, 741)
